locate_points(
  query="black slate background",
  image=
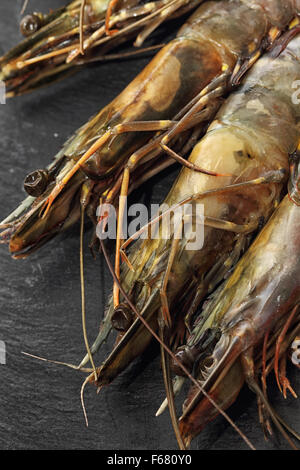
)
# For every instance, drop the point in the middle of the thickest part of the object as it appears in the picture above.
(40, 296)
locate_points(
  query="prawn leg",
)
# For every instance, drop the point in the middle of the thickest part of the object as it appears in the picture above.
(249, 372)
(243, 65)
(280, 374)
(207, 99)
(165, 361)
(111, 5)
(118, 129)
(163, 291)
(165, 13)
(283, 380)
(214, 277)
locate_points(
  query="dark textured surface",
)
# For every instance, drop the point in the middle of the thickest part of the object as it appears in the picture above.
(40, 297)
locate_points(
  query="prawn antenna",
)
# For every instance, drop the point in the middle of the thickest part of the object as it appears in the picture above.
(66, 364)
(83, 315)
(82, 399)
(25, 4)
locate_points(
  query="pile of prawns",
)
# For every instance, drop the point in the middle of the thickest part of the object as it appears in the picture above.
(218, 100)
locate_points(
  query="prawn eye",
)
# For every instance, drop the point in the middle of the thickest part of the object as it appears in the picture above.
(184, 356)
(122, 318)
(30, 24)
(36, 182)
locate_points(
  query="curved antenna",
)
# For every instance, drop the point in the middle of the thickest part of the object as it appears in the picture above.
(82, 400)
(279, 342)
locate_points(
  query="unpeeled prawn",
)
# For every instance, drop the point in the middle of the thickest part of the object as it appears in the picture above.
(64, 40)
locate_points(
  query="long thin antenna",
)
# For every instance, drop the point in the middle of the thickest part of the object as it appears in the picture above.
(24, 7)
(83, 294)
